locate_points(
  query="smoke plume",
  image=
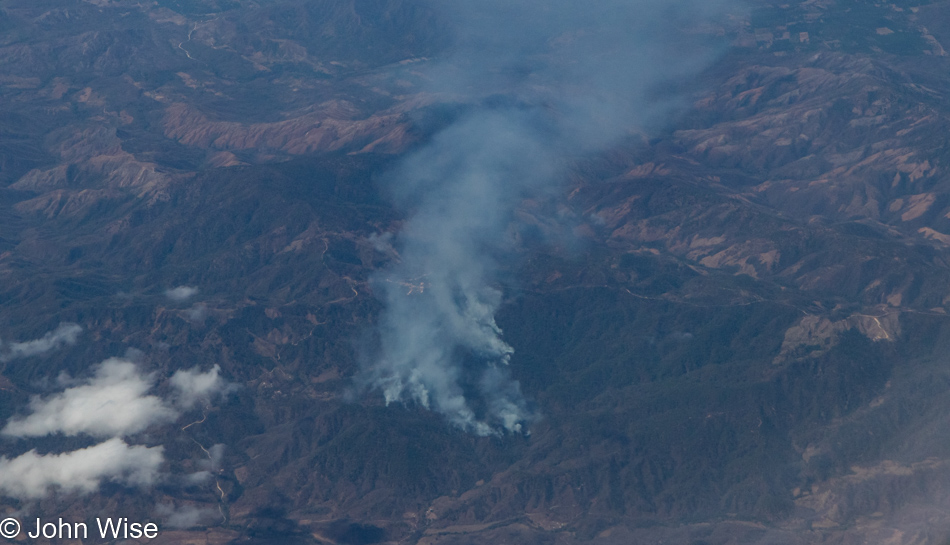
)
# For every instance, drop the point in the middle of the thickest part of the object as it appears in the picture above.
(544, 81)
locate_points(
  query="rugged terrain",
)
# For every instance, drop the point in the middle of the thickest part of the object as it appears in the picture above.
(734, 324)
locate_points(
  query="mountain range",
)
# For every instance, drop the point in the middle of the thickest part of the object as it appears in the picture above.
(730, 322)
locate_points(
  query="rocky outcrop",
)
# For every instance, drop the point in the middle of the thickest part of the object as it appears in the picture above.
(814, 335)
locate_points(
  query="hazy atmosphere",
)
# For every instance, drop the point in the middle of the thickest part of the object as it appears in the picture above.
(353, 272)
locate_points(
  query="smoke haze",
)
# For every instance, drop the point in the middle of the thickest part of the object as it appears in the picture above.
(550, 80)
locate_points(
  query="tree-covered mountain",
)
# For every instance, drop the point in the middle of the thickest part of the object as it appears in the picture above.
(730, 323)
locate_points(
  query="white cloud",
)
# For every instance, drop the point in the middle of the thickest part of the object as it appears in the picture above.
(181, 293)
(193, 386)
(114, 402)
(65, 334)
(33, 476)
(197, 313)
(209, 467)
(186, 516)
(198, 477)
(216, 456)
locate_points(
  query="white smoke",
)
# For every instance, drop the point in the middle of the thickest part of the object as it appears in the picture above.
(555, 79)
(65, 334)
(32, 475)
(440, 302)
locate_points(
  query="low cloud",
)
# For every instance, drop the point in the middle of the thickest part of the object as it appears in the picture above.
(209, 467)
(197, 313)
(186, 516)
(198, 477)
(215, 456)
(194, 387)
(65, 334)
(113, 403)
(181, 293)
(33, 476)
